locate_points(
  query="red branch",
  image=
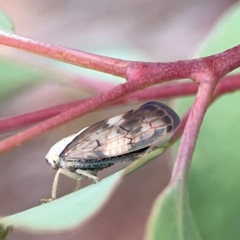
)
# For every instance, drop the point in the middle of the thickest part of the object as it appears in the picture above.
(76, 57)
(163, 92)
(148, 73)
(83, 108)
(228, 84)
(191, 131)
(205, 71)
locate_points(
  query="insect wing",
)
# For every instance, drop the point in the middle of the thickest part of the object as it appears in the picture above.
(128, 132)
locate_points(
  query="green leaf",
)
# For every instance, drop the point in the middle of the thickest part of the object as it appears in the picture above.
(213, 180)
(74, 209)
(5, 23)
(66, 212)
(171, 217)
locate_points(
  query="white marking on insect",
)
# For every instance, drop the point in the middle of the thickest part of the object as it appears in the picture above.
(53, 154)
(118, 119)
(123, 138)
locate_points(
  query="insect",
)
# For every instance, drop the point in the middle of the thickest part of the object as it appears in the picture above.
(123, 138)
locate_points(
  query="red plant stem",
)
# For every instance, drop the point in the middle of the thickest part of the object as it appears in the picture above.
(178, 132)
(191, 130)
(150, 73)
(139, 75)
(88, 60)
(14, 122)
(228, 84)
(40, 115)
(86, 107)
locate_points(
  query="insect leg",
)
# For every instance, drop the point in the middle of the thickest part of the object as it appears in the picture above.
(89, 174)
(65, 172)
(78, 185)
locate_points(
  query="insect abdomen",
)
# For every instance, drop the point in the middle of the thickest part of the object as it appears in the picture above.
(99, 164)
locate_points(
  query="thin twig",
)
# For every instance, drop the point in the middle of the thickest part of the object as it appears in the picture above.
(191, 130)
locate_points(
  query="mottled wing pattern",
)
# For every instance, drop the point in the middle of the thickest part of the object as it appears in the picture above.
(125, 133)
